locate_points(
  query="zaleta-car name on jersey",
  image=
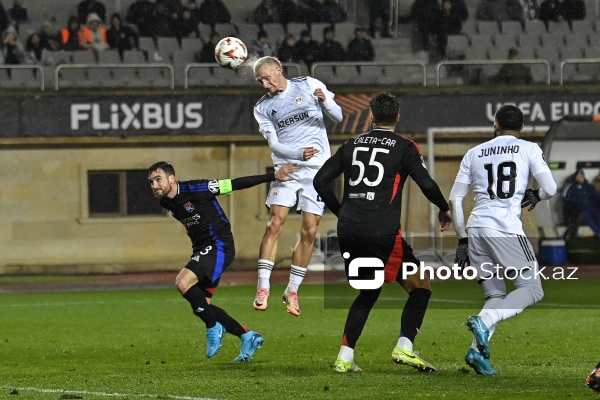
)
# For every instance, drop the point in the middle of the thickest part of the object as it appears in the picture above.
(374, 140)
(292, 120)
(106, 116)
(490, 151)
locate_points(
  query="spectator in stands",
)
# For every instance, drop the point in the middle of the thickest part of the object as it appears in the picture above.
(584, 196)
(514, 73)
(265, 13)
(207, 53)
(192, 5)
(450, 22)
(11, 50)
(330, 50)
(121, 37)
(214, 12)
(531, 10)
(172, 7)
(551, 10)
(290, 12)
(500, 10)
(307, 48)
(288, 53)
(36, 52)
(86, 7)
(186, 27)
(360, 48)
(574, 10)
(261, 46)
(424, 14)
(164, 23)
(48, 37)
(141, 14)
(71, 37)
(4, 18)
(379, 10)
(333, 12)
(597, 183)
(18, 13)
(94, 34)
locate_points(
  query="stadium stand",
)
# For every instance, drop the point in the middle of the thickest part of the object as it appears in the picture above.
(482, 40)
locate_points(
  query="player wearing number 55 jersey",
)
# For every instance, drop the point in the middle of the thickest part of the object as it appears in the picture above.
(376, 165)
(194, 204)
(498, 172)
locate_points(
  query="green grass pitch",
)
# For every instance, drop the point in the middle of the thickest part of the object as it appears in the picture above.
(140, 344)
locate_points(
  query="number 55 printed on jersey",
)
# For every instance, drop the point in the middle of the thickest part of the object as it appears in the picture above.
(372, 163)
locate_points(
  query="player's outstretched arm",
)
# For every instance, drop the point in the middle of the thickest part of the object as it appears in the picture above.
(457, 194)
(228, 186)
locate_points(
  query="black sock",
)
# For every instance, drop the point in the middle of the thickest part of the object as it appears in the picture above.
(230, 324)
(200, 306)
(358, 315)
(413, 313)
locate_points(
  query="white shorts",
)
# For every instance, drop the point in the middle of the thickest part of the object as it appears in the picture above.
(491, 251)
(300, 190)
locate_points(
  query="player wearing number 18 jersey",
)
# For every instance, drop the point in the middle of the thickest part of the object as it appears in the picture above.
(375, 166)
(498, 172)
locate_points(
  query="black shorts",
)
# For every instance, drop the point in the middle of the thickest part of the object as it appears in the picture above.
(391, 250)
(209, 263)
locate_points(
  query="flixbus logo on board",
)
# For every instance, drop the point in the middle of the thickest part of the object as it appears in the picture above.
(106, 116)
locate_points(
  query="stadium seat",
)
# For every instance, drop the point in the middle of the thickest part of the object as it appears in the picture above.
(101, 77)
(457, 46)
(227, 30)
(295, 28)
(511, 27)
(134, 57)
(470, 26)
(499, 53)
(199, 76)
(506, 40)
(592, 52)
(344, 32)
(583, 26)
(153, 77)
(371, 73)
(344, 75)
(324, 73)
(535, 27)
(571, 52)
(577, 39)
(275, 32)
(552, 39)
(169, 44)
(489, 28)
(61, 57)
(84, 57)
(20, 78)
(72, 77)
(109, 57)
(147, 44)
(191, 44)
(561, 28)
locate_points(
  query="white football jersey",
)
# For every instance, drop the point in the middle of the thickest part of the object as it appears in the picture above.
(498, 172)
(296, 116)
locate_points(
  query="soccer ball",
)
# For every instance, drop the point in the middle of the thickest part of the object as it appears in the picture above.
(231, 53)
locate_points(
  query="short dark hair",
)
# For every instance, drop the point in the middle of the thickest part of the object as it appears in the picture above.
(512, 52)
(385, 108)
(165, 166)
(509, 118)
(262, 34)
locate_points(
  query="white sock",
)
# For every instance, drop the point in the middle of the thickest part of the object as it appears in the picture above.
(264, 273)
(405, 343)
(346, 353)
(492, 329)
(297, 275)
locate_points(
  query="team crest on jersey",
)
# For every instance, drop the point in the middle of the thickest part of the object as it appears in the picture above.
(213, 186)
(189, 207)
(370, 195)
(274, 193)
(298, 100)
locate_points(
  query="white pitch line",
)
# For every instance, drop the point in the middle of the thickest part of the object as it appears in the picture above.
(104, 394)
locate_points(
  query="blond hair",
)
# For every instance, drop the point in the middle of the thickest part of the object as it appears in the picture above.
(268, 60)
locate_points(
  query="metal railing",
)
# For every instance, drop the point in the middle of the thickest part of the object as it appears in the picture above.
(38, 68)
(422, 66)
(188, 67)
(575, 61)
(439, 65)
(166, 66)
